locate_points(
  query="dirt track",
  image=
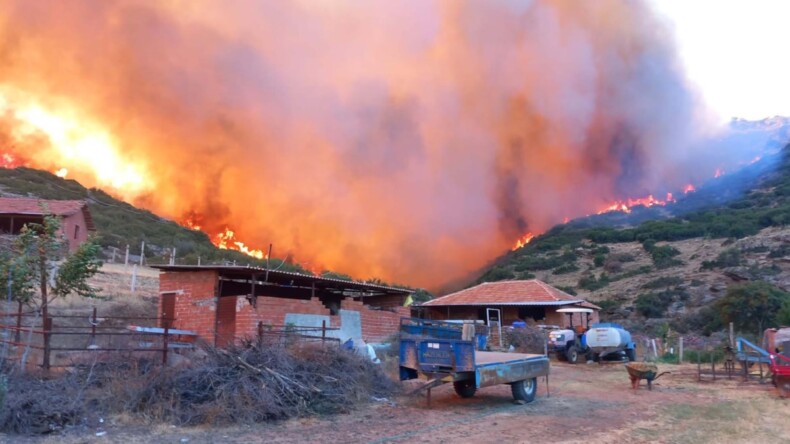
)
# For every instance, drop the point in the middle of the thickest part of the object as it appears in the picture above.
(587, 403)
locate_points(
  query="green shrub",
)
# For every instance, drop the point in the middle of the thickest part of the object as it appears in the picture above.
(570, 290)
(599, 259)
(608, 305)
(590, 282)
(663, 282)
(730, 257)
(496, 273)
(565, 269)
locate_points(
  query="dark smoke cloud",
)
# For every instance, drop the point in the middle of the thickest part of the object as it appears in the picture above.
(409, 140)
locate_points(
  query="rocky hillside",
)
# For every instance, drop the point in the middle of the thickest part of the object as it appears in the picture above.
(666, 266)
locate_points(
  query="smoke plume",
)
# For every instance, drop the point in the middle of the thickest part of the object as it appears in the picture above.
(410, 140)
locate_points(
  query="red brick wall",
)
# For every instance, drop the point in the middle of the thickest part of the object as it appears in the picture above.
(195, 300)
(377, 325)
(69, 227)
(195, 309)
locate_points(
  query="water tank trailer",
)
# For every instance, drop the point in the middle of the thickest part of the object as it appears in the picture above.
(594, 341)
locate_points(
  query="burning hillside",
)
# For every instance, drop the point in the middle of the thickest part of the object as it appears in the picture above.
(405, 140)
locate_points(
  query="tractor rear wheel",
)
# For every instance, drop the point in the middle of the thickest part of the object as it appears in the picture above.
(465, 388)
(631, 354)
(525, 390)
(572, 354)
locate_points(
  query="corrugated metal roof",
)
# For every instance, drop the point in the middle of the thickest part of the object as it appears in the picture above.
(531, 292)
(278, 274)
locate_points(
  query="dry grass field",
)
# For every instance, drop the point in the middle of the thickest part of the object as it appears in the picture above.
(587, 404)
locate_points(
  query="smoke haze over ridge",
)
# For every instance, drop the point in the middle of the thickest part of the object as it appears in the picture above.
(412, 140)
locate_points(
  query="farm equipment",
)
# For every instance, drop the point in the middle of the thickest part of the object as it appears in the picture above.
(780, 369)
(596, 341)
(440, 352)
(643, 370)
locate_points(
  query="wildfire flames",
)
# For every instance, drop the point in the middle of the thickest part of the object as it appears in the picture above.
(227, 241)
(412, 156)
(525, 239)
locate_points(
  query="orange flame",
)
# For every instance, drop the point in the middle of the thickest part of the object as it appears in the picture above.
(719, 172)
(227, 241)
(689, 189)
(62, 173)
(525, 239)
(9, 161)
(626, 205)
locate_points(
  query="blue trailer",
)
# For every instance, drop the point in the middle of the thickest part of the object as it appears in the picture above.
(438, 353)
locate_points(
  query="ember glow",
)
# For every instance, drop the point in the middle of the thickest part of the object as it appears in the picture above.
(689, 189)
(410, 141)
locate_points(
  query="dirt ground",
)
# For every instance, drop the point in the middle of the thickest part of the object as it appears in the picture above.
(587, 403)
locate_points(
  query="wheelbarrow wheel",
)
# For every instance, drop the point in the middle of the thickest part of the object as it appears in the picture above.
(465, 389)
(525, 390)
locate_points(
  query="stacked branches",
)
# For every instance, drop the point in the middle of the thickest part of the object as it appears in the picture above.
(248, 383)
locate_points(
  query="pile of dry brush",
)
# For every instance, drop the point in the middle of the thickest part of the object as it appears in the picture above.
(525, 339)
(242, 384)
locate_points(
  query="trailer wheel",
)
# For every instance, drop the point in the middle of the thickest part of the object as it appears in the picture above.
(465, 388)
(525, 390)
(631, 354)
(572, 354)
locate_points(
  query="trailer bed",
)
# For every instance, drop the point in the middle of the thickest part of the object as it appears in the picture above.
(438, 354)
(488, 357)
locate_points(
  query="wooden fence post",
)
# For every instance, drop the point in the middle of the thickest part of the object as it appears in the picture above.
(680, 350)
(47, 339)
(260, 332)
(323, 330)
(165, 345)
(18, 336)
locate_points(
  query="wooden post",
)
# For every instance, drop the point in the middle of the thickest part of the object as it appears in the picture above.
(142, 253)
(732, 336)
(680, 350)
(18, 336)
(260, 332)
(164, 343)
(173, 257)
(198, 261)
(126, 259)
(47, 342)
(323, 330)
(134, 278)
(93, 330)
(114, 251)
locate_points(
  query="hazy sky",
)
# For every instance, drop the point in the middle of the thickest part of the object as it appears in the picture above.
(736, 52)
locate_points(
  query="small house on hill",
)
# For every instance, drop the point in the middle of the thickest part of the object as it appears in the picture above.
(225, 303)
(76, 221)
(504, 302)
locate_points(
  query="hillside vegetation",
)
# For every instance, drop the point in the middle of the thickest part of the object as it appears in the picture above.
(119, 224)
(673, 272)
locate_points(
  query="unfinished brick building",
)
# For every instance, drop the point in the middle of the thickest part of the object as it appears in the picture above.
(225, 303)
(76, 221)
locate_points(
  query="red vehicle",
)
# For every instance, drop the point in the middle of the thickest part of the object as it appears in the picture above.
(780, 369)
